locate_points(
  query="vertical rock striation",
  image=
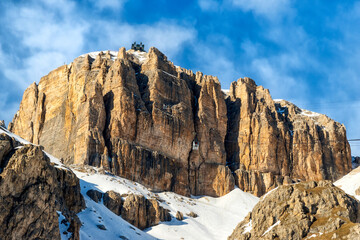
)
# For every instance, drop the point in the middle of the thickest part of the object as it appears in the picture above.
(136, 115)
(274, 142)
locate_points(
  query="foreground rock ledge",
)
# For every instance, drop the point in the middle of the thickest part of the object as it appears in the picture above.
(312, 209)
(33, 193)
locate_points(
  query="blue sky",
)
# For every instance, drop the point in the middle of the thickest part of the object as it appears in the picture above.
(307, 52)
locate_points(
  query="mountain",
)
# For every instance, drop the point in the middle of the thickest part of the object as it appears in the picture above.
(40, 198)
(140, 117)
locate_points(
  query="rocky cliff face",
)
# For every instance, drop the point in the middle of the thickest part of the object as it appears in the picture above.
(137, 116)
(310, 210)
(140, 117)
(274, 142)
(34, 194)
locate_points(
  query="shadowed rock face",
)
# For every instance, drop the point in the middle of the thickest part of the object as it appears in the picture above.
(274, 142)
(137, 115)
(33, 192)
(306, 210)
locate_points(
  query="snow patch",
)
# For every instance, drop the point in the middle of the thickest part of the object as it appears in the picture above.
(271, 227)
(248, 227)
(63, 227)
(93, 55)
(226, 91)
(309, 113)
(350, 182)
(169, 74)
(141, 56)
(16, 137)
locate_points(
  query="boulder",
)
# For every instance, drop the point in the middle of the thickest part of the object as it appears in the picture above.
(143, 213)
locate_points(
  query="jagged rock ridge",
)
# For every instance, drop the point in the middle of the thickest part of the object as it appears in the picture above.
(309, 210)
(142, 118)
(34, 193)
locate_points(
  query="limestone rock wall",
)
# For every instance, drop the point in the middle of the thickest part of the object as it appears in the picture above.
(137, 115)
(273, 142)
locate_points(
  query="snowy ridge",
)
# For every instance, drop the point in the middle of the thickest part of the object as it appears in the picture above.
(53, 159)
(303, 112)
(93, 55)
(141, 56)
(350, 182)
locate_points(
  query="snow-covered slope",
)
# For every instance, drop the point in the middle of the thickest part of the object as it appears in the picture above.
(217, 217)
(350, 182)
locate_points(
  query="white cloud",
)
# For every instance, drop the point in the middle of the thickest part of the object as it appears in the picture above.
(112, 4)
(208, 5)
(215, 61)
(271, 9)
(49, 33)
(274, 76)
(168, 37)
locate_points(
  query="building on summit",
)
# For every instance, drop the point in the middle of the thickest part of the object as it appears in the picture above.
(138, 47)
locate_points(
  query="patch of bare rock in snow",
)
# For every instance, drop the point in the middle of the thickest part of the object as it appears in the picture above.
(203, 217)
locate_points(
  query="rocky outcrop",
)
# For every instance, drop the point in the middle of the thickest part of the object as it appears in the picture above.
(142, 118)
(306, 210)
(271, 142)
(136, 209)
(142, 212)
(113, 201)
(137, 116)
(34, 193)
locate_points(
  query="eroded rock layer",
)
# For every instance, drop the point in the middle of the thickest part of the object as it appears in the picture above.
(140, 117)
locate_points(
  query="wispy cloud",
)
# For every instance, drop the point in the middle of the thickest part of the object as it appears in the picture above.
(208, 5)
(50, 33)
(166, 35)
(109, 4)
(271, 9)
